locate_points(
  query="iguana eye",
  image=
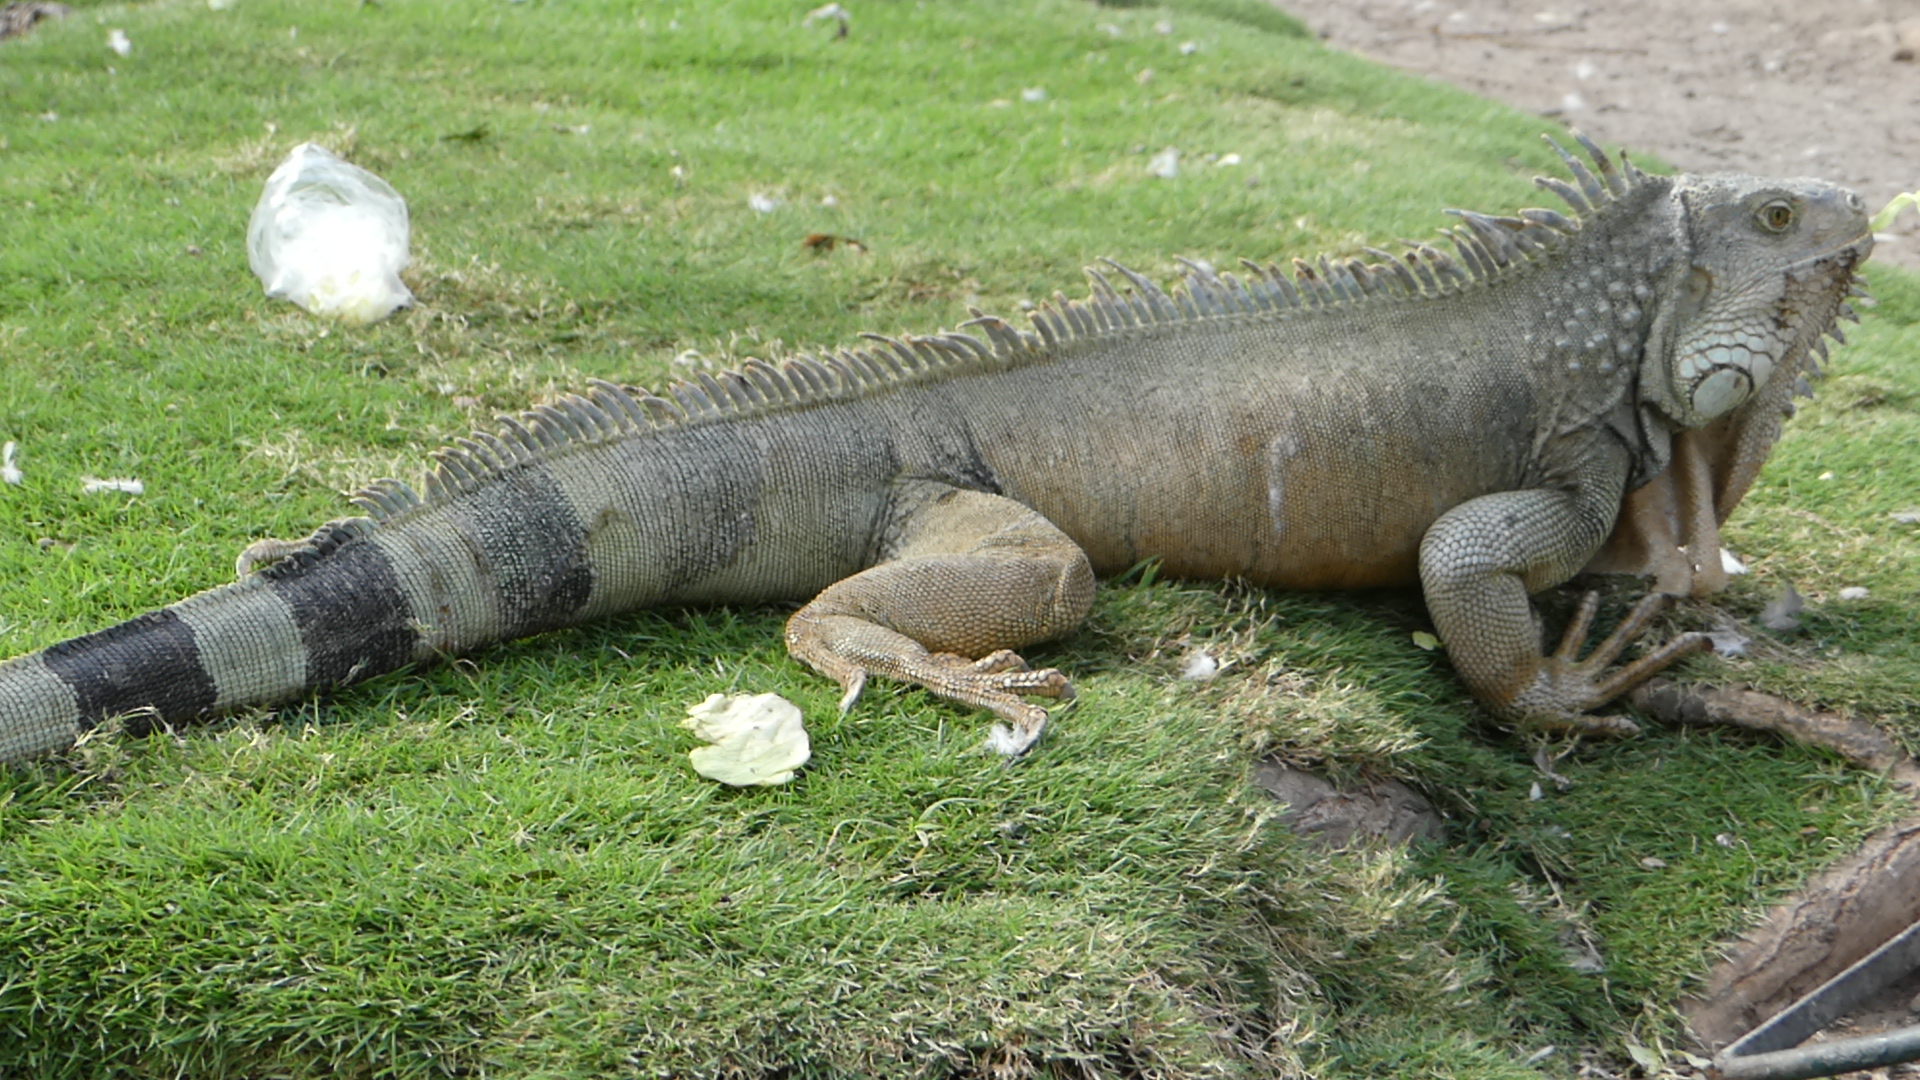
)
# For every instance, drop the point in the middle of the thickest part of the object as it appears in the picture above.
(1776, 216)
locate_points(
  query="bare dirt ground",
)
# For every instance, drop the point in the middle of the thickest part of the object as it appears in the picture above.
(1827, 88)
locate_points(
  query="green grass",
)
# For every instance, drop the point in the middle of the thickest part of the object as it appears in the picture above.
(505, 867)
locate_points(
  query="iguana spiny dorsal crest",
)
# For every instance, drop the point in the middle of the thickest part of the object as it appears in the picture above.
(1474, 422)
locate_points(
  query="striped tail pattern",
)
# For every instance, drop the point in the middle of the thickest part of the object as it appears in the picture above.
(299, 625)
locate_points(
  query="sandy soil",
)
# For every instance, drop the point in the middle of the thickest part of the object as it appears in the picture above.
(1828, 88)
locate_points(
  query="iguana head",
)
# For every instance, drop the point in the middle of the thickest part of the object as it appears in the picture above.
(1769, 266)
(1766, 271)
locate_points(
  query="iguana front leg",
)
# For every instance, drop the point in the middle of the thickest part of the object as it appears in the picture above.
(963, 574)
(1478, 565)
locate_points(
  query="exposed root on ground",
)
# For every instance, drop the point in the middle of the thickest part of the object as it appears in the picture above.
(1843, 913)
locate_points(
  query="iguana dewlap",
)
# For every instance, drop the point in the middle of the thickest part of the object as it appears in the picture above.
(1472, 423)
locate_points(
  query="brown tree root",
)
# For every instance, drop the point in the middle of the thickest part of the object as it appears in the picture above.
(1706, 706)
(1843, 913)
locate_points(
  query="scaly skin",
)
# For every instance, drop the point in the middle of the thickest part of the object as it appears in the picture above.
(1472, 426)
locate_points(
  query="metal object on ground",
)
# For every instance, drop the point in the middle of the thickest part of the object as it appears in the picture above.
(1772, 1051)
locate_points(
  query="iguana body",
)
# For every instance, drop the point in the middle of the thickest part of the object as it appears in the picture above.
(1472, 426)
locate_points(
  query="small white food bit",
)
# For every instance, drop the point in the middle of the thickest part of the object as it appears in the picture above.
(1188, 48)
(1729, 642)
(1165, 164)
(1731, 563)
(1007, 742)
(1033, 95)
(1200, 666)
(758, 740)
(1572, 102)
(833, 12)
(1724, 839)
(1828, 475)
(8, 470)
(829, 200)
(118, 41)
(763, 204)
(1534, 794)
(1228, 159)
(90, 485)
(1164, 28)
(1854, 592)
(1654, 863)
(1781, 613)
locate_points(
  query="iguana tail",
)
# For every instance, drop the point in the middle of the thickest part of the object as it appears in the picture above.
(573, 511)
(333, 612)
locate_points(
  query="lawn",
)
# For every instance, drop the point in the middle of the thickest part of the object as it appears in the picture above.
(506, 867)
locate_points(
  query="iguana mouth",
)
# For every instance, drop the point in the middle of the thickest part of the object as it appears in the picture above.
(1860, 247)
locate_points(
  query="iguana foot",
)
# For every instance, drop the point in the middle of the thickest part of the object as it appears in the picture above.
(997, 682)
(261, 552)
(1565, 686)
(851, 650)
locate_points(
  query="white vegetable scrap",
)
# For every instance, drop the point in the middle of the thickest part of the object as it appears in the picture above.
(1200, 666)
(763, 204)
(1729, 642)
(91, 485)
(1007, 742)
(758, 739)
(1033, 95)
(1731, 563)
(1165, 164)
(1854, 592)
(118, 41)
(833, 12)
(8, 470)
(1782, 612)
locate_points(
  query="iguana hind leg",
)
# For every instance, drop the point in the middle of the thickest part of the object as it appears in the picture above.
(962, 574)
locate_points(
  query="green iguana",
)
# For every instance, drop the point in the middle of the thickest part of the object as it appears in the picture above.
(1475, 423)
